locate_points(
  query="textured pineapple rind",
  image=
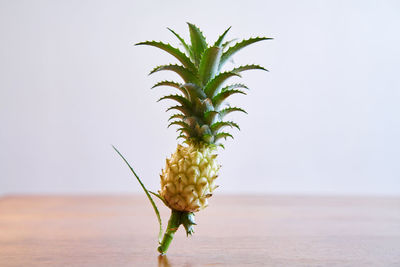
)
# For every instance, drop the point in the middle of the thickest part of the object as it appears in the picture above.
(188, 179)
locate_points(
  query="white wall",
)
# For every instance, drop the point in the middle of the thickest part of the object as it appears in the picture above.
(325, 119)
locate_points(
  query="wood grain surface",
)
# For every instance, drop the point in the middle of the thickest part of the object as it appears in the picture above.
(232, 231)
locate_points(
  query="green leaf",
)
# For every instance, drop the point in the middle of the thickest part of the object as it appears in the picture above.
(222, 135)
(209, 64)
(172, 84)
(248, 67)
(232, 50)
(176, 116)
(213, 86)
(178, 98)
(221, 38)
(179, 123)
(147, 194)
(215, 127)
(184, 44)
(227, 43)
(185, 111)
(173, 51)
(221, 97)
(185, 74)
(226, 111)
(234, 86)
(198, 41)
(185, 130)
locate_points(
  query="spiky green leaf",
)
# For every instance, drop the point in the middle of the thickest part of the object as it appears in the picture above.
(213, 86)
(215, 127)
(234, 86)
(178, 98)
(173, 51)
(198, 41)
(209, 64)
(221, 38)
(222, 135)
(228, 110)
(184, 44)
(185, 74)
(172, 84)
(248, 67)
(179, 123)
(176, 116)
(221, 97)
(185, 130)
(185, 111)
(232, 50)
(227, 43)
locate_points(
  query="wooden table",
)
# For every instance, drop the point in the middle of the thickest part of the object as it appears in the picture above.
(233, 231)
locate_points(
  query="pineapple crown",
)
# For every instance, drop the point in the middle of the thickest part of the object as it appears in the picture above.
(201, 107)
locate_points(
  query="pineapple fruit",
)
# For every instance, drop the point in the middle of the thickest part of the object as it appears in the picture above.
(189, 177)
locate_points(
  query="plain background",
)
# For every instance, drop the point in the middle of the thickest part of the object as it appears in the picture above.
(324, 120)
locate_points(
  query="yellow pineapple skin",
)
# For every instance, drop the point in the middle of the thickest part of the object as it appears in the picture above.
(188, 179)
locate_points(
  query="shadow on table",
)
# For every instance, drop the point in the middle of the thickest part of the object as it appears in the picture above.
(163, 261)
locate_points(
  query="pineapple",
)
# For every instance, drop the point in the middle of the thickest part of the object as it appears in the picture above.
(189, 177)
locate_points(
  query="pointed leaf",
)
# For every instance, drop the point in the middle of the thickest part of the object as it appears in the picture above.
(234, 125)
(184, 44)
(232, 50)
(248, 67)
(172, 84)
(221, 38)
(179, 123)
(185, 111)
(227, 43)
(209, 64)
(221, 97)
(234, 86)
(185, 74)
(215, 127)
(173, 51)
(185, 130)
(222, 135)
(198, 41)
(146, 192)
(176, 116)
(226, 111)
(178, 98)
(213, 86)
